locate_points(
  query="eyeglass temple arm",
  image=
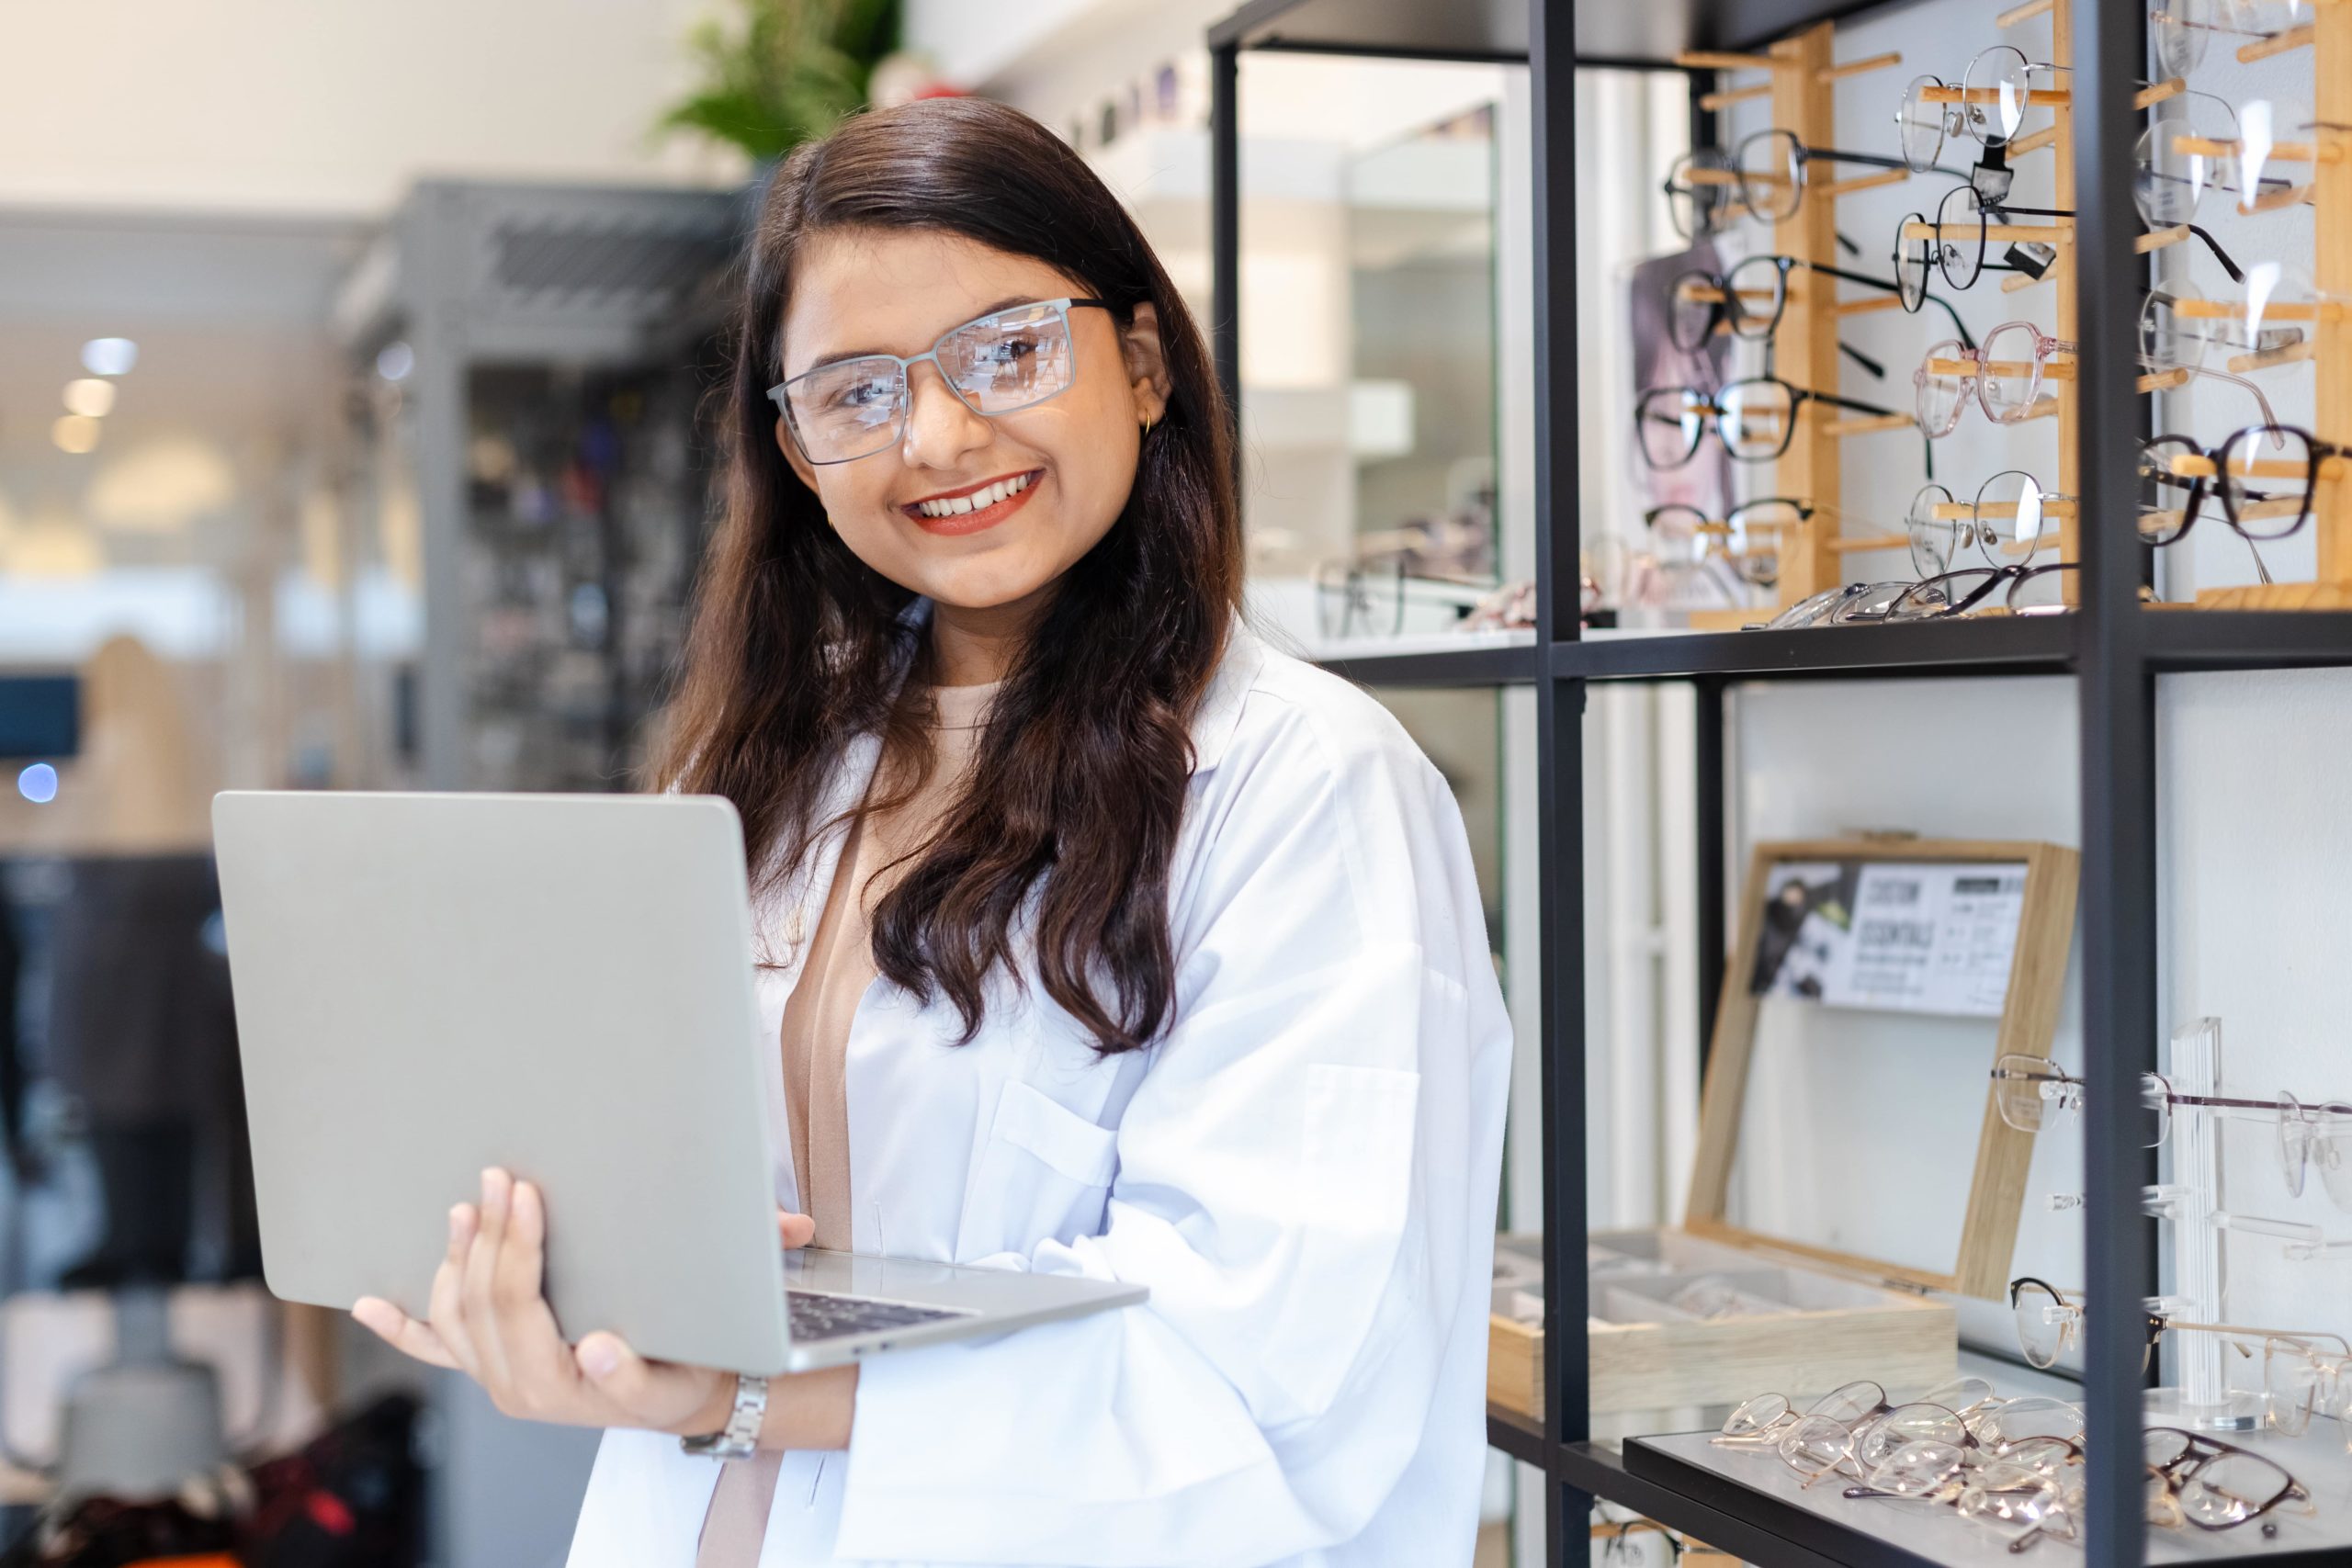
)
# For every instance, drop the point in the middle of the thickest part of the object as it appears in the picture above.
(2220, 254)
(1853, 405)
(1864, 360)
(1874, 159)
(1967, 338)
(2300, 1337)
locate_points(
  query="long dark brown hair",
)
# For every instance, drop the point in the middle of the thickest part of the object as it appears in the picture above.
(1076, 792)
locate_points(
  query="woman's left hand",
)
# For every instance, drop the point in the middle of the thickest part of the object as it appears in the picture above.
(489, 1319)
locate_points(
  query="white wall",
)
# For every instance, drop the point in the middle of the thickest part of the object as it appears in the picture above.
(302, 105)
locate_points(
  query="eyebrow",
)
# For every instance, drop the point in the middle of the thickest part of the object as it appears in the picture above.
(848, 354)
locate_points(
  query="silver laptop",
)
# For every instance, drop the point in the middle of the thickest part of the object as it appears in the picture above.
(560, 985)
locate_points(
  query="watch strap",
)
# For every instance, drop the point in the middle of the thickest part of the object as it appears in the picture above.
(739, 1439)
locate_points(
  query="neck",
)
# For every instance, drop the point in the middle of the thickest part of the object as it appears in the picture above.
(972, 647)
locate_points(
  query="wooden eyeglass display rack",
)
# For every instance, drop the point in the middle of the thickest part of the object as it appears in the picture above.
(2329, 37)
(1802, 91)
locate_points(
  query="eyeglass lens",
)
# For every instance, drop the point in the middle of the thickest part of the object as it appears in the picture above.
(1010, 360)
(2264, 478)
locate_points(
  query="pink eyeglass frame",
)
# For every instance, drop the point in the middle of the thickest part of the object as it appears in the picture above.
(2044, 346)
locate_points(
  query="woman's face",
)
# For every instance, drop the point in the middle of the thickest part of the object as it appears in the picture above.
(895, 292)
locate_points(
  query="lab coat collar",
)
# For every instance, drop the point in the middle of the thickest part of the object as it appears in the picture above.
(1220, 711)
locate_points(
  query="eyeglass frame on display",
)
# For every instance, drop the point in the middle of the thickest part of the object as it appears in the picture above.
(2319, 454)
(1695, 231)
(780, 394)
(2162, 473)
(2179, 1483)
(1729, 529)
(2337, 1370)
(1712, 415)
(1976, 530)
(2019, 257)
(1797, 159)
(1979, 361)
(1953, 119)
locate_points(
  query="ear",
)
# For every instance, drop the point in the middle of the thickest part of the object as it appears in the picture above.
(1146, 364)
(791, 451)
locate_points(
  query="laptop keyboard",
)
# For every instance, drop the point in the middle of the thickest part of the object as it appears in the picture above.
(816, 1316)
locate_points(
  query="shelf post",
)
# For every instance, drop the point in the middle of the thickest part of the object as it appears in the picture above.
(1806, 347)
(2115, 707)
(2067, 323)
(1225, 230)
(1559, 763)
(2332, 267)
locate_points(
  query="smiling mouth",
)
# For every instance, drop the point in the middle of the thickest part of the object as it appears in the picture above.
(977, 499)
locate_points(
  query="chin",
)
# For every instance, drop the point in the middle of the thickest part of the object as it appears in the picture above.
(979, 590)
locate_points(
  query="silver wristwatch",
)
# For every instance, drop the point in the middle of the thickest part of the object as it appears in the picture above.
(739, 1439)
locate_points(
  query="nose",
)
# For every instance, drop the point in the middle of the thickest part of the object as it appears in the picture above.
(941, 427)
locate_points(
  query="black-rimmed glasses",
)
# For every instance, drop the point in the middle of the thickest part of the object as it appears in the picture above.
(1751, 536)
(1755, 419)
(1956, 243)
(1705, 191)
(2048, 1319)
(2219, 1486)
(1750, 300)
(2264, 494)
(997, 363)
(1772, 166)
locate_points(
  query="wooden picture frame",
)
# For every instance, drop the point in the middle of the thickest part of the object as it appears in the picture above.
(2029, 1020)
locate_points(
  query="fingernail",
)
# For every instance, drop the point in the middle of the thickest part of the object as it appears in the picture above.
(600, 1358)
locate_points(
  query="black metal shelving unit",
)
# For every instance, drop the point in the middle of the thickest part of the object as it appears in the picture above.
(2113, 647)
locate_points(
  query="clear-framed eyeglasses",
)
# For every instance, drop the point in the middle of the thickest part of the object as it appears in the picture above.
(998, 364)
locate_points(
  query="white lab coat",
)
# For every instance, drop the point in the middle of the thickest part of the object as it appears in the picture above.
(1303, 1171)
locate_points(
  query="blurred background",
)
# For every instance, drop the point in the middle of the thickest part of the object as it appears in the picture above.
(350, 368)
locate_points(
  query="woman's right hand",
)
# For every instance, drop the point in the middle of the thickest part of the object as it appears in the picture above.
(797, 1228)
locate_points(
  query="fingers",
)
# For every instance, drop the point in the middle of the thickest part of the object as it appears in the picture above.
(446, 1307)
(799, 1229)
(401, 1332)
(656, 1395)
(532, 1344)
(478, 1286)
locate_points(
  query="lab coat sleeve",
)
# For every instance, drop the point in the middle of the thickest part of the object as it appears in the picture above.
(1307, 1184)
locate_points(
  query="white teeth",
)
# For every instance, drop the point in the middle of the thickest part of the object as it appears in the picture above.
(954, 506)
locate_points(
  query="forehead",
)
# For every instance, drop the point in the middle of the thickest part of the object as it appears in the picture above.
(894, 291)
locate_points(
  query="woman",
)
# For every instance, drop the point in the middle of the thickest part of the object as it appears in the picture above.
(1158, 955)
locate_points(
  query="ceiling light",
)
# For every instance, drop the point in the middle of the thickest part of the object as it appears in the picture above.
(75, 432)
(38, 783)
(90, 396)
(396, 360)
(109, 356)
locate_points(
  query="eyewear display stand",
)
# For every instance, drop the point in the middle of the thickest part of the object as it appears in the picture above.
(1821, 1522)
(1717, 1310)
(2201, 1398)
(2110, 654)
(1803, 92)
(2330, 38)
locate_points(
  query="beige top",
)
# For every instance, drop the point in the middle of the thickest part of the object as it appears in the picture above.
(816, 1044)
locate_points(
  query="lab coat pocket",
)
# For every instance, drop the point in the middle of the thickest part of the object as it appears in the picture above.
(1043, 1174)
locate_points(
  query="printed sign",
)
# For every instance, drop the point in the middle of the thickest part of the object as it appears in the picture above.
(1934, 936)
